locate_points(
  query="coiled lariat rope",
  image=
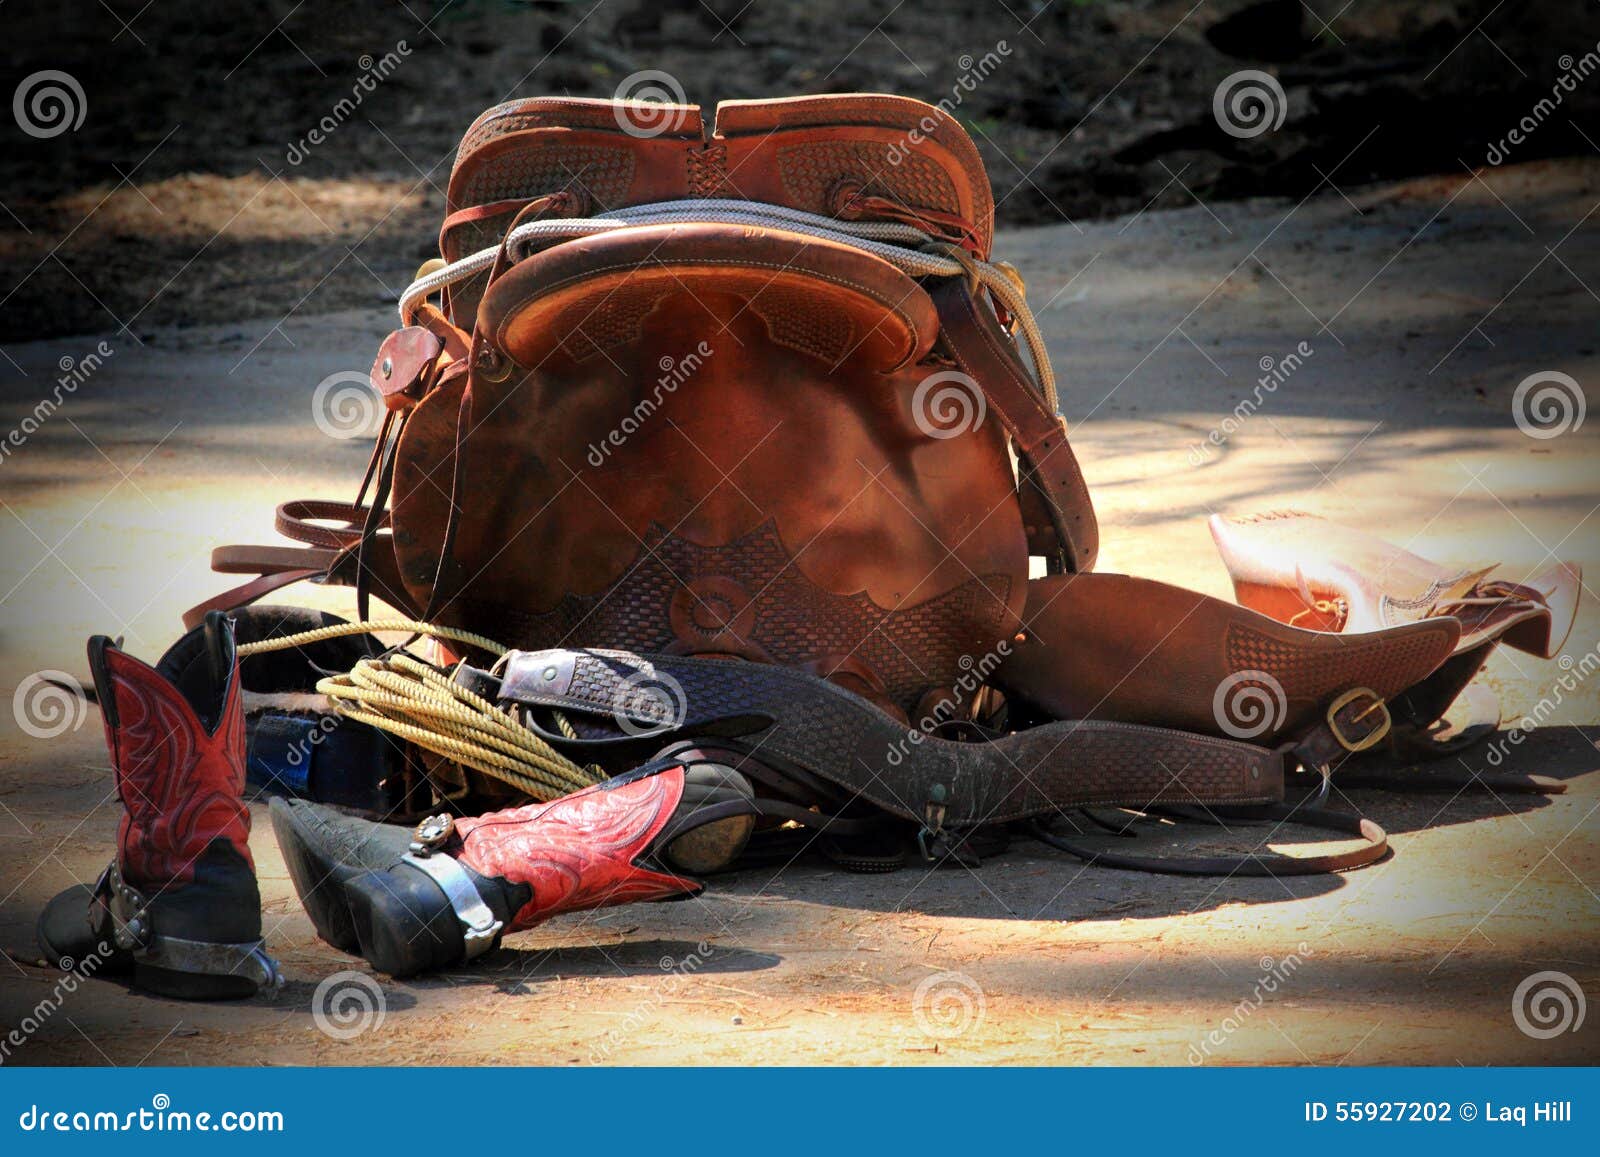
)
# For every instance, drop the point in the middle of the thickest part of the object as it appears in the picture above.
(400, 694)
(906, 247)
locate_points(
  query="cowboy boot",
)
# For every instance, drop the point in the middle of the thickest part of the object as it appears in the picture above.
(178, 907)
(443, 894)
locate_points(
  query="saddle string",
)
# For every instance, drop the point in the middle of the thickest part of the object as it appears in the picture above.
(906, 247)
(402, 695)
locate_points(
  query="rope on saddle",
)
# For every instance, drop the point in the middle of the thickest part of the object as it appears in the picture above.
(904, 246)
(409, 698)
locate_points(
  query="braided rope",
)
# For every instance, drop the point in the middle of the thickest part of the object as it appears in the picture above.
(408, 698)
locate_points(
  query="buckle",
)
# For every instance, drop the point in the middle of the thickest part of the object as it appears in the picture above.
(1374, 703)
(432, 834)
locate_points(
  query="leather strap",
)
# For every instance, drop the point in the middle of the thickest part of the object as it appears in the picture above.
(244, 594)
(299, 520)
(865, 757)
(1055, 500)
(1374, 847)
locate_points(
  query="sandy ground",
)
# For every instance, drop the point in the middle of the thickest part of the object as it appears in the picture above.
(1424, 306)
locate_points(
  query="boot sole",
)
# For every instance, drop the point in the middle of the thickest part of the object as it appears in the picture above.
(191, 985)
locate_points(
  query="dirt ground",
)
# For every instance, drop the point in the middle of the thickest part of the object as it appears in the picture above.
(1424, 304)
(193, 155)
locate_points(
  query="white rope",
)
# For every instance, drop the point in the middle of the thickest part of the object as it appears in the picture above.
(903, 246)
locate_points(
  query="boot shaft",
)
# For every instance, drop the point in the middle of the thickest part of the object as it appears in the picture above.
(175, 733)
(580, 851)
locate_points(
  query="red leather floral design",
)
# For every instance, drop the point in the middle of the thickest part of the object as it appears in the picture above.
(578, 852)
(181, 787)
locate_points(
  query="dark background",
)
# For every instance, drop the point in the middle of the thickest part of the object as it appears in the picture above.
(174, 202)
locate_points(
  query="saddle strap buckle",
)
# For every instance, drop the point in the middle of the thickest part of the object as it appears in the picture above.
(937, 845)
(930, 839)
(1353, 709)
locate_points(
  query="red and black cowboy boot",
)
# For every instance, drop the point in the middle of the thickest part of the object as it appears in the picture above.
(440, 895)
(178, 907)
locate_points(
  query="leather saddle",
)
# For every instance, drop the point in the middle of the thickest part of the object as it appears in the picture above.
(754, 389)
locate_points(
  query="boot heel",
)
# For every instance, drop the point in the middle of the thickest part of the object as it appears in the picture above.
(404, 922)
